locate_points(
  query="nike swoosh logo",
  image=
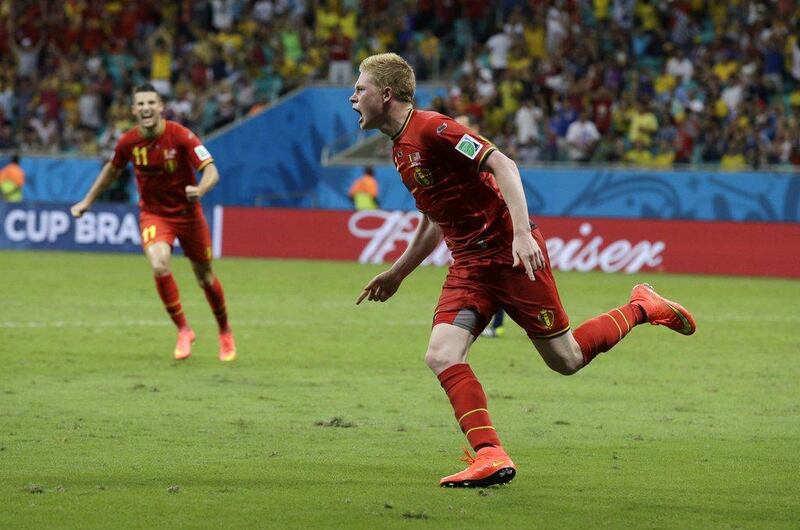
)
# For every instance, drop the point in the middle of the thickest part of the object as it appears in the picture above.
(496, 463)
(687, 327)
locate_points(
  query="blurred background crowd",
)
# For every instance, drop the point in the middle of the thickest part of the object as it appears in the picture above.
(641, 82)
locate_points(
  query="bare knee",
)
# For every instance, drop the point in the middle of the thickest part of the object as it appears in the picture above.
(205, 281)
(203, 274)
(160, 268)
(447, 346)
(439, 358)
(158, 254)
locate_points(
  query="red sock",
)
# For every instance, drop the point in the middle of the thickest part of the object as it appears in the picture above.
(469, 404)
(168, 291)
(601, 333)
(216, 299)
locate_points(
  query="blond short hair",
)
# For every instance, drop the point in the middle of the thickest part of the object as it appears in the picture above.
(391, 70)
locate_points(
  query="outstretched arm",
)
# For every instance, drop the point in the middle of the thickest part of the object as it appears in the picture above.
(106, 176)
(207, 182)
(526, 250)
(385, 284)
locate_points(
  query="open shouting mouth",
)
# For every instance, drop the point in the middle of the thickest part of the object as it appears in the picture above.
(360, 116)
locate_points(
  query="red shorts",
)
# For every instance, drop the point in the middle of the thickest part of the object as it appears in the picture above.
(191, 231)
(475, 290)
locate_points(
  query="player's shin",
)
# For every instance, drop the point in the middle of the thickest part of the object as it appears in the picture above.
(216, 299)
(602, 332)
(469, 405)
(168, 291)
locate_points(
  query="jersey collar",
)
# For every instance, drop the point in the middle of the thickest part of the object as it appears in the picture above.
(159, 133)
(405, 124)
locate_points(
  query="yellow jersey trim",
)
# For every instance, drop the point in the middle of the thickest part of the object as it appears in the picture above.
(552, 334)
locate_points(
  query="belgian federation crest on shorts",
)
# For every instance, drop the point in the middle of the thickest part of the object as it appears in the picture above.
(423, 176)
(546, 318)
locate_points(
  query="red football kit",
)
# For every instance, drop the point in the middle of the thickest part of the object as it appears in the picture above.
(164, 166)
(440, 162)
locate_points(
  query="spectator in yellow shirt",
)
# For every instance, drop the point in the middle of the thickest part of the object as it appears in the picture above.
(534, 37)
(734, 159)
(601, 10)
(639, 155)
(665, 155)
(642, 124)
(161, 62)
(664, 83)
(725, 68)
(648, 16)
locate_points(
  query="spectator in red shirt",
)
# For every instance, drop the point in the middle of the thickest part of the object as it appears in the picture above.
(340, 52)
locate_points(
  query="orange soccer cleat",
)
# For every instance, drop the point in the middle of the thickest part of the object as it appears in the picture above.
(663, 312)
(490, 465)
(183, 348)
(227, 346)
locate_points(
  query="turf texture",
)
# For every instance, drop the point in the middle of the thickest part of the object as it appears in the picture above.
(330, 418)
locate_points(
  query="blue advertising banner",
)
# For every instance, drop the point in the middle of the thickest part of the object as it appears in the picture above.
(106, 227)
(617, 193)
(50, 226)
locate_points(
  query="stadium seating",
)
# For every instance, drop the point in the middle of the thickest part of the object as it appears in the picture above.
(657, 83)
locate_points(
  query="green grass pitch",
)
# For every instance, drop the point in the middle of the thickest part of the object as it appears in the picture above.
(330, 418)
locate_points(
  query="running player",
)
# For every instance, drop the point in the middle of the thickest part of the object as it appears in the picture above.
(471, 194)
(165, 158)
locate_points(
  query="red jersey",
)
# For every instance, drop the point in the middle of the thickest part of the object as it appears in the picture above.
(440, 163)
(164, 166)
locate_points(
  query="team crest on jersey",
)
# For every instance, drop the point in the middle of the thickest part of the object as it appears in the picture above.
(202, 153)
(423, 176)
(170, 162)
(469, 146)
(546, 318)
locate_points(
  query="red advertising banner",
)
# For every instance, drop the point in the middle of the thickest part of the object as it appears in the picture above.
(610, 245)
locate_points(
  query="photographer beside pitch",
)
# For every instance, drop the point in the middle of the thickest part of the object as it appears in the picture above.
(471, 194)
(165, 157)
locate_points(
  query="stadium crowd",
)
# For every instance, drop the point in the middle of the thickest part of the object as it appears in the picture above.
(642, 82)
